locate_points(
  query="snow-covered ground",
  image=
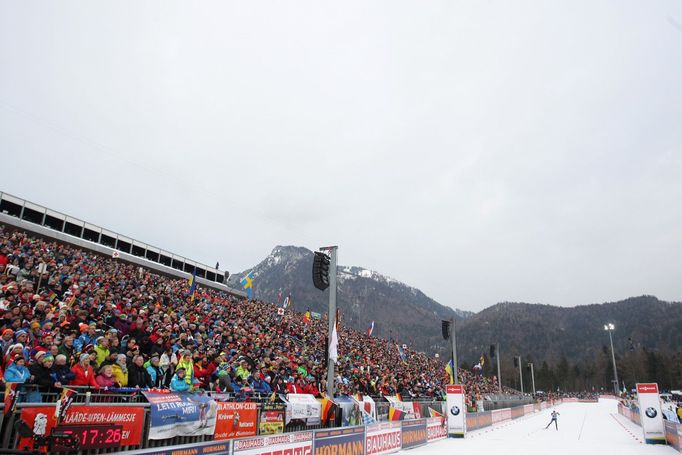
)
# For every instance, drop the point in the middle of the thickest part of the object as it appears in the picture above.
(584, 429)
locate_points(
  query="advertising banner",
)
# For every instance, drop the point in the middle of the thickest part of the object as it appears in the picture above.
(410, 409)
(350, 411)
(95, 427)
(385, 437)
(347, 441)
(414, 433)
(528, 409)
(197, 448)
(300, 443)
(302, 406)
(501, 415)
(456, 410)
(236, 420)
(367, 404)
(272, 418)
(436, 428)
(181, 414)
(650, 413)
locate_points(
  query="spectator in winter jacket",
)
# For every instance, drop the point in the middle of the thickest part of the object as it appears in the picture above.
(17, 371)
(186, 363)
(105, 378)
(61, 371)
(121, 370)
(42, 373)
(85, 375)
(179, 382)
(156, 374)
(102, 350)
(138, 375)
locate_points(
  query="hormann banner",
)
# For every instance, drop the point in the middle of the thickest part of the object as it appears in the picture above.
(414, 433)
(346, 441)
(181, 414)
(384, 437)
(456, 410)
(198, 448)
(300, 443)
(650, 413)
(236, 420)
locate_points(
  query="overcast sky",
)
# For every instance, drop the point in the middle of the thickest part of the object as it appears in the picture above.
(482, 151)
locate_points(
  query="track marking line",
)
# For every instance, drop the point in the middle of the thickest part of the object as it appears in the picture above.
(625, 428)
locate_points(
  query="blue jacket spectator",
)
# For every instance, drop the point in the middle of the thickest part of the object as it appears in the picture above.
(17, 371)
(178, 383)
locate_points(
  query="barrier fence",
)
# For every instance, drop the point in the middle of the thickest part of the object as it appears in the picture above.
(165, 423)
(673, 430)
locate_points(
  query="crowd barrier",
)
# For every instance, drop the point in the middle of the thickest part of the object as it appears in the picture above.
(673, 430)
(177, 423)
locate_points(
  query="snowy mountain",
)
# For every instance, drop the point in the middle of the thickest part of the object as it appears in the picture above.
(363, 296)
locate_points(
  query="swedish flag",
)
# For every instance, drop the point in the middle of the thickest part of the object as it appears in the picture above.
(449, 370)
(193, 285)
(247, 284)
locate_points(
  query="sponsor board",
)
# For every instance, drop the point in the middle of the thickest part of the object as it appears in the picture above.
(436, 428)
(501, 415)
(347, 441)
(272, 418)
(528, 409)
(456, 410)
(181, 414)
(236, 420)
(385, 437)
(200, 448)
(94, 426)
(651, 417)
(414, 433)
(300, 443)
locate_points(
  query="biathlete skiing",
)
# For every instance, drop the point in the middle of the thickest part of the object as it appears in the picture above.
(554, 419)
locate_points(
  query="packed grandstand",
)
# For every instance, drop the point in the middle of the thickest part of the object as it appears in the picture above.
(103, 323)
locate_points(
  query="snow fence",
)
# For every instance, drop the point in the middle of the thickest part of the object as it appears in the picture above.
(673, 430)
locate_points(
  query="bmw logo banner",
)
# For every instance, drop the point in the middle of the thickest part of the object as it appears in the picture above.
(456, 410)
(650, 413)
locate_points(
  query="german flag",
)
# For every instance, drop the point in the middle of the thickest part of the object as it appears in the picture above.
(395, 415)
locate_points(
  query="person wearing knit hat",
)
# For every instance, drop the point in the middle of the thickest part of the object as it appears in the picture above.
(17, 371)
(179, 382)
(84, 374)
(42, 374)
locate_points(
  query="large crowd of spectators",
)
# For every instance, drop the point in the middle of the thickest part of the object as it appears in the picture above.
(104, 323)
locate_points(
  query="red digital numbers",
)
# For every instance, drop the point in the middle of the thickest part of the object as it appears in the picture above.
(94, 436)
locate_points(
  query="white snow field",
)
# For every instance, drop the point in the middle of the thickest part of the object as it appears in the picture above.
(584, 428)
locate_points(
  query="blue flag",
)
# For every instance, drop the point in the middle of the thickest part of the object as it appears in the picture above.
(247, 284)
(193, 285)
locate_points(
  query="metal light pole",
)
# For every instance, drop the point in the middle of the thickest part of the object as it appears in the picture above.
(332, 318)
(453, 338)
(532, 375)
(499, 377)
(610, 328)
(521, 374)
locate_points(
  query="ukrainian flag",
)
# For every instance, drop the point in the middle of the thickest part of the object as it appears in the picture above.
(247, 284)
(193, 285)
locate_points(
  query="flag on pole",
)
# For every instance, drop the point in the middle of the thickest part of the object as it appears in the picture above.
(280, 311)
(482, 360)
(193, 285)
(10, 396)
(333, 346)
(434, 413)
(247, 284)
(115, 254)
(366, 418)
(370, 329)
(395, 415)
(287, 302)
(449, 370)
(401, 351)
(63, 404)
(306, 317)
(279, 296)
